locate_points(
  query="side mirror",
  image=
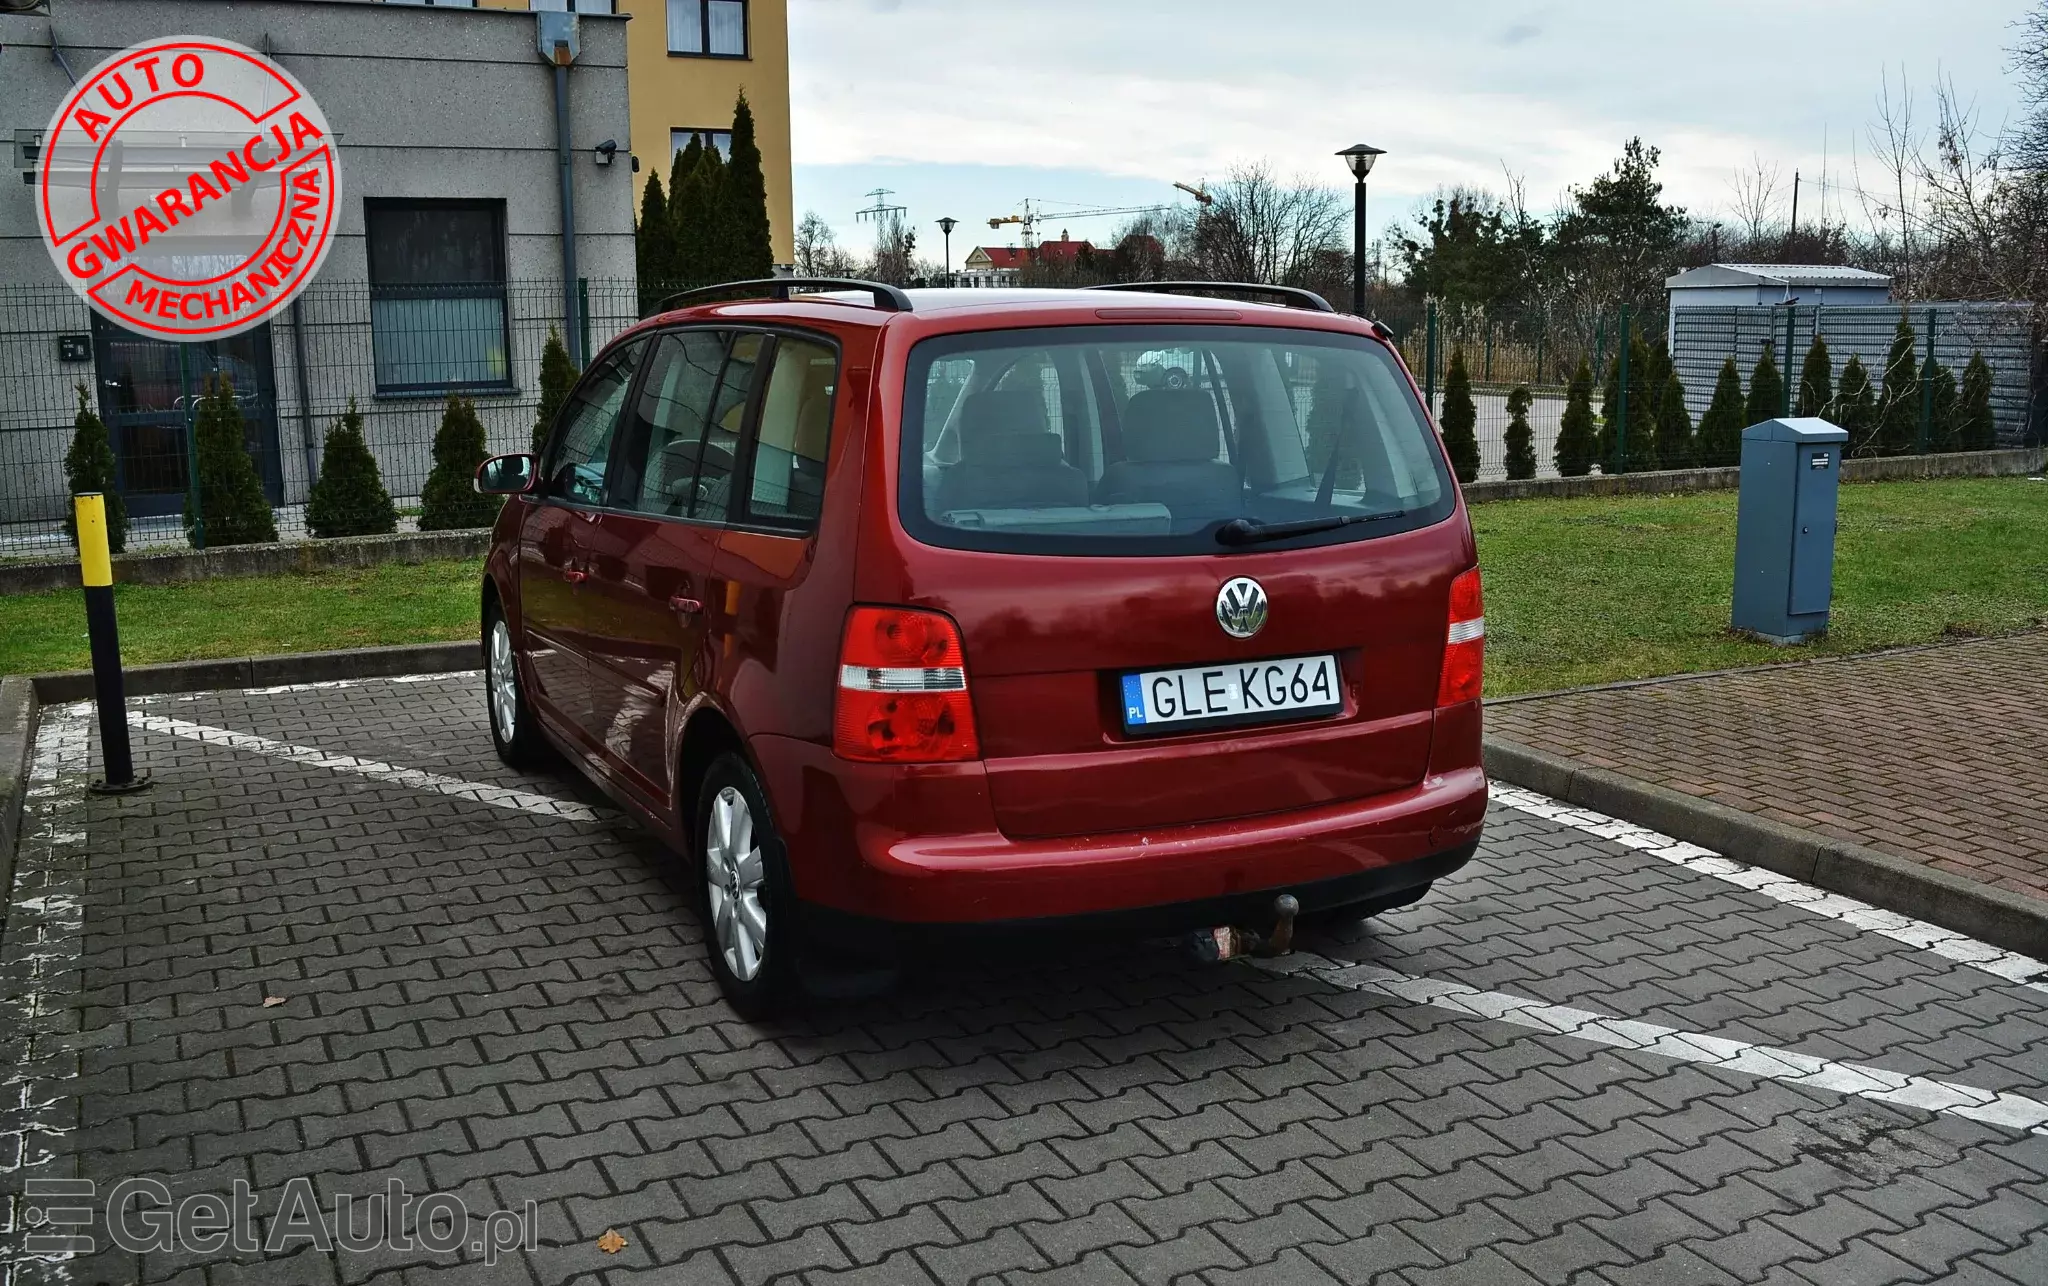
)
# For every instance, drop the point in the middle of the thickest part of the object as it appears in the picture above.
(508, 475)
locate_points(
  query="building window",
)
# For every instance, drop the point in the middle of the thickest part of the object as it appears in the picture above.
(437, 295)
(678, 139)
(571, 6)
(444, 4)
(713, 28)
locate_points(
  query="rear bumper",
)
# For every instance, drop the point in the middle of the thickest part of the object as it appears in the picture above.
(920, 846)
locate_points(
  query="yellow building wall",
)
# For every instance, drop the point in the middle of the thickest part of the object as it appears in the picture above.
(677, 91)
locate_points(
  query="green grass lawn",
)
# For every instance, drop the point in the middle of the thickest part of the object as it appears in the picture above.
(252, 616)
(1589, 591)
(1577, 591)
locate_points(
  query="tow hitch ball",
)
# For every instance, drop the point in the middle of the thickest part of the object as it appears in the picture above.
(1227, 941)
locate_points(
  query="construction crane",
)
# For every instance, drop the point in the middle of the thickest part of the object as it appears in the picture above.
(1035, 214)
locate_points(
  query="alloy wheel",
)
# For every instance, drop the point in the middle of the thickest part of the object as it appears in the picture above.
(504, 681)
(735, 876)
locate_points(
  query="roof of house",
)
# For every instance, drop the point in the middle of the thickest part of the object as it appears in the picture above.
(1778, 274)
(1062, 251)
(1000, 256)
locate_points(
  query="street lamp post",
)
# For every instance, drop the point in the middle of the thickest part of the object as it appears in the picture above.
(946, 226)
(1359, 157)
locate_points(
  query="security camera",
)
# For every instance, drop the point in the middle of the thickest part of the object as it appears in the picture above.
(606, 150)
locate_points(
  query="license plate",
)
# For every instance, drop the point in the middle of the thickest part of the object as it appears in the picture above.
(1208, 696)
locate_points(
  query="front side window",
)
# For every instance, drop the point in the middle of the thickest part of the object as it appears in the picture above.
(1163, 440)
(437, 295)
(582, 441)
(787, 486)
(714, 27)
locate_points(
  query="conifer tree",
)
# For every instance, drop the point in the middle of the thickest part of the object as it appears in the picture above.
(749, 252)
(450, 501)
(1576, 441)
(1719, 441)
(230, 494)
(1816, 381)
(1674, 426)
(654, 245)
(1943, 431)
(89, 466)
(1856, 407)
(684, 259)
(1766, 392)
(1640, 444)
(1898, 406)
(1460, 419)
(698, 208)
(1520, 440)
(349, 499)
(557, 377)
(1975, 428)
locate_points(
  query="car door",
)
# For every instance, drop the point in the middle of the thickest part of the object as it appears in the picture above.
(778, 647)
(654, 587)
(553, 554)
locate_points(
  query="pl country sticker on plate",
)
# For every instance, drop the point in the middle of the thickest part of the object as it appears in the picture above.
(189, 188)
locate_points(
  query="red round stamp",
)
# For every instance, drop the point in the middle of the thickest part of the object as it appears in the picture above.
(189, 188)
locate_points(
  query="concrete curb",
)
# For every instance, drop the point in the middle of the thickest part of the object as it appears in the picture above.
(17, 746)
(2003, 463)
(267, 671)
(255, 560)
(2001, 918)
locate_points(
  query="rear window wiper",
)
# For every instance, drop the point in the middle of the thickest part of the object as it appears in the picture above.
(1246, 531)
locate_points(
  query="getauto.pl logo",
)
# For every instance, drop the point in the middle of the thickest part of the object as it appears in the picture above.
(142, 1216)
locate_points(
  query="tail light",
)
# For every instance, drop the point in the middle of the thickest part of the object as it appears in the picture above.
(902, 689)
(1464, 643)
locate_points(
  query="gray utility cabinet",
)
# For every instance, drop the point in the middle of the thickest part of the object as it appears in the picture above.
(1785, 528)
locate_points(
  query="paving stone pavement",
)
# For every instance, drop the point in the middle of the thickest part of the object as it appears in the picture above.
(1932, 754)
(512, 1008)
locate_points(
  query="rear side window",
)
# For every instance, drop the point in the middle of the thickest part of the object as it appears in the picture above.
(719, 459)
(674, 406)
(788, 476)
(1152, 439)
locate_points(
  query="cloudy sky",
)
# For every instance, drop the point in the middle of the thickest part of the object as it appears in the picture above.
(965, 107)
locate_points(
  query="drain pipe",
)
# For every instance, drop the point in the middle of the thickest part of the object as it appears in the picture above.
(559, 46)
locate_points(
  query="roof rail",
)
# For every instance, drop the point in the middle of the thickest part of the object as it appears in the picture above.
(887, 298)
(1293, 296)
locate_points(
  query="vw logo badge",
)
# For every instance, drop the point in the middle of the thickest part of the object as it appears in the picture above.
(1241, 607)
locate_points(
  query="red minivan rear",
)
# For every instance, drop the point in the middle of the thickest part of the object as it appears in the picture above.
(1158, 601)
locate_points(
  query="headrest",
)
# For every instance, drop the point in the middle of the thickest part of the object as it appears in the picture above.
(1170, 424)
(997, 412)
(1015, 449)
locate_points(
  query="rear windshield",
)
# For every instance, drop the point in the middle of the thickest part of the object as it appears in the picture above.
(1121, 440)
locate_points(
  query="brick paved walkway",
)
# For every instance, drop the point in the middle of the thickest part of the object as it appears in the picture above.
(1937, 754)
(508, 1006)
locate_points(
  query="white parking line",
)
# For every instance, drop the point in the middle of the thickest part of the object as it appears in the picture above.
(2014, 1111)
(173, 698)
(1946, 943)
(497, 796)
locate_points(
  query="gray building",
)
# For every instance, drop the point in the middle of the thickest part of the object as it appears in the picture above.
(446, 275)
(1735, 285)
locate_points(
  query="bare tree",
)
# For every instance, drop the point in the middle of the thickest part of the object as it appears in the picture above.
(1261, 228)
(818, 254)
(1897, 141)
(2028, 145)
(1756, 196)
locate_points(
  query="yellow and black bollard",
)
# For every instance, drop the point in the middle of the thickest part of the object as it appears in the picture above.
(96, 569)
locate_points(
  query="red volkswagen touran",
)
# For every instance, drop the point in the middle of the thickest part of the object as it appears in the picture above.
(905, 609)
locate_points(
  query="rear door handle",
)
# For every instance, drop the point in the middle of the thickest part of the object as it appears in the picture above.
(686, 605)
(573, 576)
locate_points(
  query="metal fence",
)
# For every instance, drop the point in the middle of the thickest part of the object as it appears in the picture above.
(1541, 354)
(1703, 338)
(397, 353)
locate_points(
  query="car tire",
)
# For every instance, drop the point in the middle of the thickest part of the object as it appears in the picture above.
(744, 892)
(515, 729)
